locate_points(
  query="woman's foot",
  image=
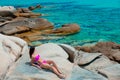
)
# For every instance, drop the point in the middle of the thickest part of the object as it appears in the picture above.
(62, 76)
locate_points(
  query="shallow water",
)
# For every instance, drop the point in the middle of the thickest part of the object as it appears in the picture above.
(99, 20)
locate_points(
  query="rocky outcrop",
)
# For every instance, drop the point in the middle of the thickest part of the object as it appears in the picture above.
(29, 9)
(67, 29)
(10, 11)
(33, 29)
(23, 25)
(27, 12)
(109, 49)
(94, 62)
(22, 70)
(11, 48)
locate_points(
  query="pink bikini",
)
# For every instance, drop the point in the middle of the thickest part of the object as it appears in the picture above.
(37, 57)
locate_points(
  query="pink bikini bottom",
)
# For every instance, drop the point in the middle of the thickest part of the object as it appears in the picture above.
(44, 62)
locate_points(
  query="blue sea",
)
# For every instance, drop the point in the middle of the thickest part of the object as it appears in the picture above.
(99, 20)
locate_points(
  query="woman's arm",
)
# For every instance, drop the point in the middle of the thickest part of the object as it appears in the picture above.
(33, 64)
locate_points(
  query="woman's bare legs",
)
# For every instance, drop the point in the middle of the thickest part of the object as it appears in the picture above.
(53, 63)
(47, 66)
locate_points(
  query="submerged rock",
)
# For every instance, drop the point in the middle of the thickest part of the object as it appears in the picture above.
(34, 7)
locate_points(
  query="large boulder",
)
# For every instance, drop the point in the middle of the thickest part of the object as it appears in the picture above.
(19, 26)
(7, 14)
(11, 48)
(50, 49)
(66, 29)
(22, 70)
(7, 8)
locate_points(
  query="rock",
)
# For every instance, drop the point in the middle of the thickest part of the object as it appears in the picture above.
(33, 8)
(24, 25)
(17, 40)
(67, 29)
(6, 61)
(26, 12)
(14, 30)
(83, 48)
(53, 49)
(23, 10)
(10, 51)
(7, 14)
(83, 58)
(4, 23)
(109, 49)
(70, 51)
(116, 56)
(82, 74)
(22, 70)
(100, 63)
(7, 8)
(111, 72)
(91, 61)
(27, 15)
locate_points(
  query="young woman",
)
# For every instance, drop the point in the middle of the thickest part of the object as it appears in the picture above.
(38, 62)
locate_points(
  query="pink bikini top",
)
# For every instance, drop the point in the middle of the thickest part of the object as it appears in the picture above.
(37, 57)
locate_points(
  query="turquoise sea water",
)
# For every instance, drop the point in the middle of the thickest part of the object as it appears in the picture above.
(99, 20)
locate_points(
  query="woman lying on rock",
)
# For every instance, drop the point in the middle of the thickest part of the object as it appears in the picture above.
(46, 64)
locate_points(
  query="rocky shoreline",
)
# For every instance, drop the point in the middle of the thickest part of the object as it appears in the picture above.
(23, 23)
(96, 62)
